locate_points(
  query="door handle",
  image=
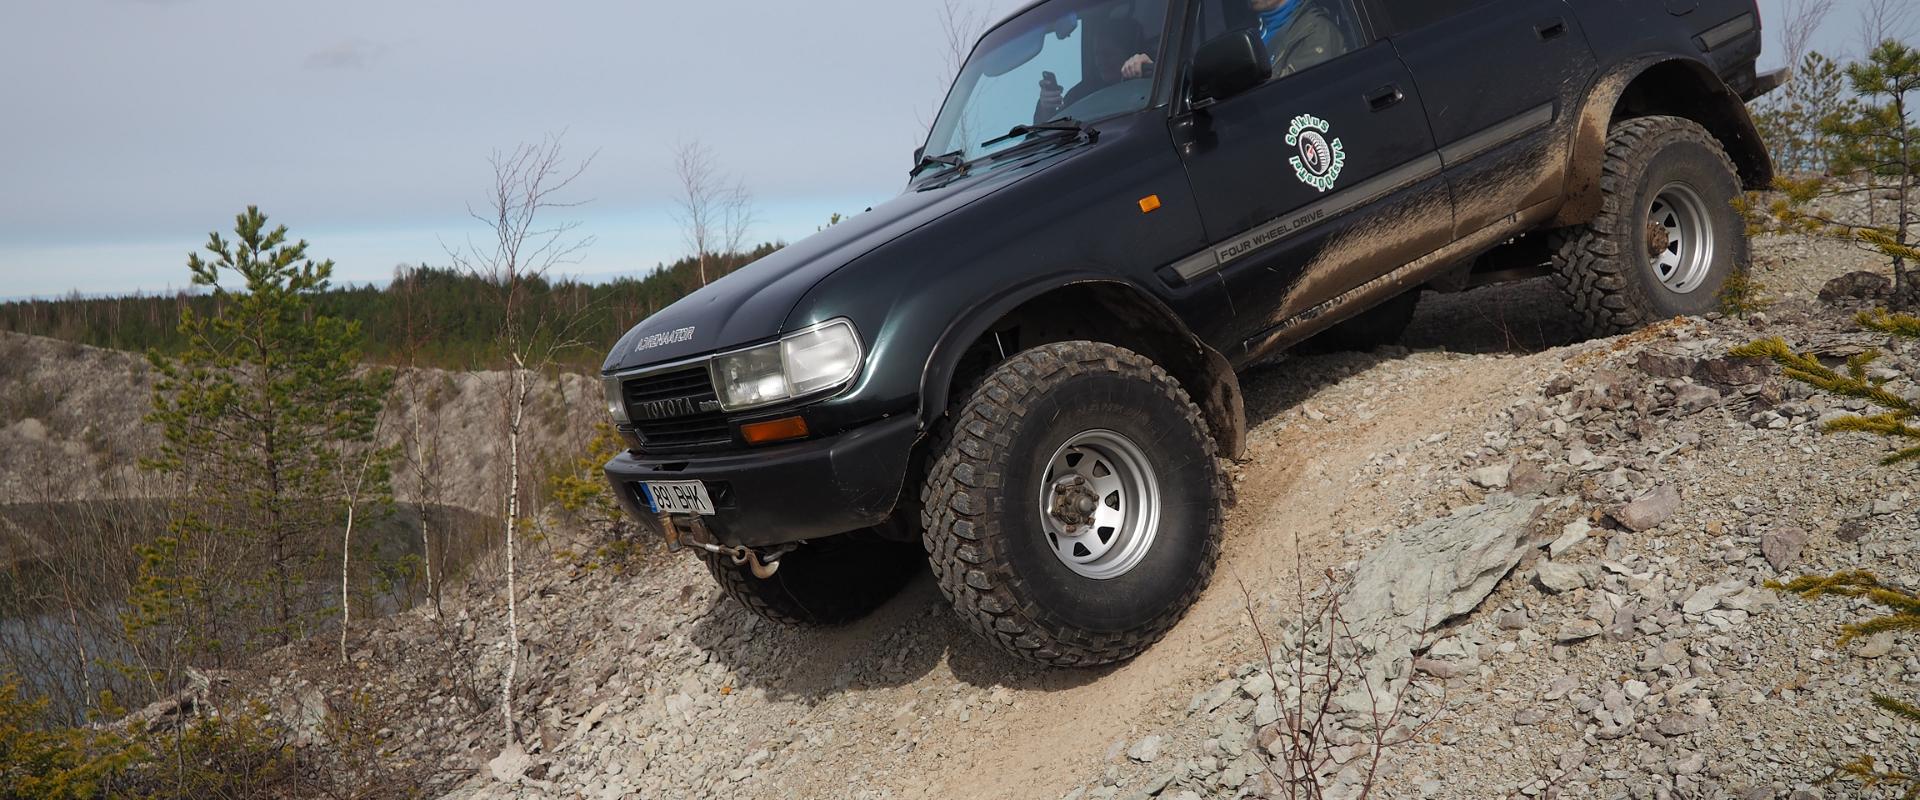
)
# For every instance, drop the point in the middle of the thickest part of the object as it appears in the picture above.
(1551, 29)
(1385, 97)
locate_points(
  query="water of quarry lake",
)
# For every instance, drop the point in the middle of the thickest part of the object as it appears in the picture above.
(65, 569)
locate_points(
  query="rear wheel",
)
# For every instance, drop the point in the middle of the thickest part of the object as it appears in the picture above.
(1667, 237)
(1072, 513)
(829, 582)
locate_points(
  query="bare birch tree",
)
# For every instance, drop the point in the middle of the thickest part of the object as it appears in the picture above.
(1881, 20)
(365, 469)
(714, 213)
(1803, 18)
(527, 186)
(422, 452)
(961, 23)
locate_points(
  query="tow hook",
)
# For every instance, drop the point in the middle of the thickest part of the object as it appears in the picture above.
(762, 568)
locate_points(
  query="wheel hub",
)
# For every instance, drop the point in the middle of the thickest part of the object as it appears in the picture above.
(1073, 502)
(1657, 239)
(1680, 238)
(1099, 504)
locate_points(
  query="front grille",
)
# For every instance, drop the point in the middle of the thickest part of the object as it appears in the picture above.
(691, 431)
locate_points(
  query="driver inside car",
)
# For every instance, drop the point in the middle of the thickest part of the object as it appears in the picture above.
(1113, 64)
(1298, 35)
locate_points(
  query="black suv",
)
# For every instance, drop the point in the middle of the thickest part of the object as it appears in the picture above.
(1023, 368)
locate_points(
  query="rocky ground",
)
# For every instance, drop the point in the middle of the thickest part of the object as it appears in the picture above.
(1551, 554)
(1621, 502)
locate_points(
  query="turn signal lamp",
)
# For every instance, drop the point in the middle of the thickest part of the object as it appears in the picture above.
(779, 430)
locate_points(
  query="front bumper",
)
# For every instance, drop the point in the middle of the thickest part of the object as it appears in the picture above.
(788, 493)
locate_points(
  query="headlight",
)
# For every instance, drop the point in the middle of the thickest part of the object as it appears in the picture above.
(823, 357)
(616, 400)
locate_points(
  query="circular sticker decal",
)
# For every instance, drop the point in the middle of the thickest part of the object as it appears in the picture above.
(1321, 158)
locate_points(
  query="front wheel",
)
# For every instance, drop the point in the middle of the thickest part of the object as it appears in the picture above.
(1072, 513)
(1667, 237)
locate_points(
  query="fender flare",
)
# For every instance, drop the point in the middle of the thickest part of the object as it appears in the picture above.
(1722, 112)
(1207, 374)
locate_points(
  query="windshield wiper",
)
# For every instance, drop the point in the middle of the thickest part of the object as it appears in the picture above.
(1065, 124)
(954, 159)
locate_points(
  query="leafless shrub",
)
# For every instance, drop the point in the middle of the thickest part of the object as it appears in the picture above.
(714, 212)
(1328, 677)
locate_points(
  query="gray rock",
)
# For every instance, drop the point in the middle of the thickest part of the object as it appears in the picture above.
(1665, 655)
(1705, 599)
(1530, 716)
(1159, 784)
(1515, 620)
(1207, 701)
(1559, 578)
(1693, 398)
(1782, 547)
(1494, 477)
(1266, 711)
(1571, 536)
(1577, 630)
(1423, 576)
(1661, 365)
(1146, 750)
(1681, 724)
(1689, 764)
(1852, 530)
(1528, 480)
(1875, 646)
(1650, 509)
(1856, 287)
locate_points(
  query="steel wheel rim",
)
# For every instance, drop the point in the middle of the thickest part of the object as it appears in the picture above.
(1684, 263)
(1110, 539)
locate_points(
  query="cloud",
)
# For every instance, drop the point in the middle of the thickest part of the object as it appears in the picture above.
(350, 54)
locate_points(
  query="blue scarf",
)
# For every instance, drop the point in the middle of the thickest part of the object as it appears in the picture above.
(1274, 21)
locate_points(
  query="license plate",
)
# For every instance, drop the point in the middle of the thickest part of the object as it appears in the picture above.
(679, 497)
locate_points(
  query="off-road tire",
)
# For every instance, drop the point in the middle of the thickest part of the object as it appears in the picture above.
(1369, 330)
(828, 582)
(983, 527)
(1602, 266)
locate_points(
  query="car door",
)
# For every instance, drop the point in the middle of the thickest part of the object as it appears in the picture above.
(1313, 183)
(1501, 79)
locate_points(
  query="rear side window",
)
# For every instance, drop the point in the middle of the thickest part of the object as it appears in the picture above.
(1409, 15)
(1299, 34)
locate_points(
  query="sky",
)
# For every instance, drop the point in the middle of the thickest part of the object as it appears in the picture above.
(133, 128)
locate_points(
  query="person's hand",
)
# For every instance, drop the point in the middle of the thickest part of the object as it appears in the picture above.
(1136, 67)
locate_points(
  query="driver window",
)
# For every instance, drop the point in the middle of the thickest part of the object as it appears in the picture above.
(1299, 34)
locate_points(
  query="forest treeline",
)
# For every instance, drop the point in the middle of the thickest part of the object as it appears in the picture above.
(451, 318)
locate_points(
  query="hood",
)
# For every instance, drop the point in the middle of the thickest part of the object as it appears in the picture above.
(753, 303)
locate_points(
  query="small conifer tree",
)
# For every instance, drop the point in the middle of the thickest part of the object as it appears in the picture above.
(1873, 147)
(261, 417)
(1792, 121)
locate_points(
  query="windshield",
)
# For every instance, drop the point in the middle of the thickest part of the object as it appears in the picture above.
(1078, 59)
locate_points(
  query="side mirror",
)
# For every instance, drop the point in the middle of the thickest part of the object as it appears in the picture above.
(919, 153)
(1229, 65)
